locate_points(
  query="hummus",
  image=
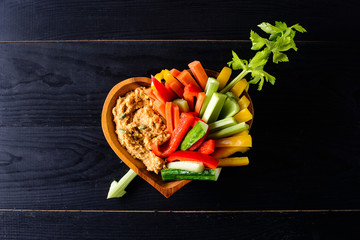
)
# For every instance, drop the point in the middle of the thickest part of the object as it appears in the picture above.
(138, 126)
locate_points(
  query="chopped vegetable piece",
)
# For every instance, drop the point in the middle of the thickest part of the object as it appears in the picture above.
(167, 86)
(163, 92)
(239, 87)
(196, 119)
(199, 102)
(221, 124)
(207, 147)
(122, 116)
(174, 72)
(168, 117)
(142, 127)
(207, 160)
(197, 132)
(150, 93)
(212, 87)
(117, 189)
(178, 174)
(159, 107)
(244, 102)
(178, 134)
(207, 84)
(230, 108)
(186, 78)
(160, 76)
(232, 95)
(198, 143)
(158, 96)
(223, 152)
(199, 73)
(229, 131)
(122, 131)
(224, 77)
(187, 165)
(234, 162)
(175, 85)
(183, 105)
(214, 107)
(243, 116)
(242, 133)
(238, 141)
(176, 115)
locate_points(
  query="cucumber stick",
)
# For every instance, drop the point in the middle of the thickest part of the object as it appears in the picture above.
(178, 174)
(191, 166)
(230, 108)
(229, 131)
(197, 132)
(211, 87)
(183, 105)
(214, 107)
(221, 124)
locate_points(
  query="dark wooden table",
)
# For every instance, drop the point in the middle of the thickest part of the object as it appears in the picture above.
(58, 61)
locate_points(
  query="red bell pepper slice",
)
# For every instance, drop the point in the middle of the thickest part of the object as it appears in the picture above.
(176, 137)
(190, 92)
(162, 91)
(207, 160)
(207, 147)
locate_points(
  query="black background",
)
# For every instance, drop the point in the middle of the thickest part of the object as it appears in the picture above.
(58, 61)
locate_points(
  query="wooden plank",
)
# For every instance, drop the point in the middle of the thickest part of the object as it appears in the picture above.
(60, 225)
(140, 19)
(72, 168)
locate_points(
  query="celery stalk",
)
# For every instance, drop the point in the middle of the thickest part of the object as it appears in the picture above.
(211, 87)
(183, 105)
(214, 107)
(221, 124)
(117, 189)
(229, 131)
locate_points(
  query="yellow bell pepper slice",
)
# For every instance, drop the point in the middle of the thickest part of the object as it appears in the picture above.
(224, 77)
(223, 152)
(239, 87)
(233, 162)
(247, 87)
(238, 141)
(243, 116)
(244, 102)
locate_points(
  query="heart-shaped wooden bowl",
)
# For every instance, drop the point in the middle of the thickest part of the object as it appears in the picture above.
(108, 127)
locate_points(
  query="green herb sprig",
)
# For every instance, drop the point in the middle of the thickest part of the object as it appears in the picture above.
(281, 39)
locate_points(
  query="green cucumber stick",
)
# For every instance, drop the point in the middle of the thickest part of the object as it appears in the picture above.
(281, 39)
(211, 87)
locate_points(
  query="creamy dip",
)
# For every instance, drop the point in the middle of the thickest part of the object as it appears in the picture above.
(138, 126)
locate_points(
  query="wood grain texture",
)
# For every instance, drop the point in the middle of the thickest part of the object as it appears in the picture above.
(58, 225)
(161, 19)
(306, 145)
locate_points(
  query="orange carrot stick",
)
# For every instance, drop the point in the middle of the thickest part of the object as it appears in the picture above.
(199, 101)
(199, 73)
(169, 88)
(174, 72)
(175, 85)
(168, 116)
(176, 115)
(159, 107)
(186, 78)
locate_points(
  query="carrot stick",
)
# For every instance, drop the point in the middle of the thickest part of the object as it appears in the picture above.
(186, 78)
(159, 107)
(169, 88)
(199, 73)
(168, 116)
(175, 85)
(150, 94)
(199, 101)
(190, 101)
(174, 72)
(176, 115)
